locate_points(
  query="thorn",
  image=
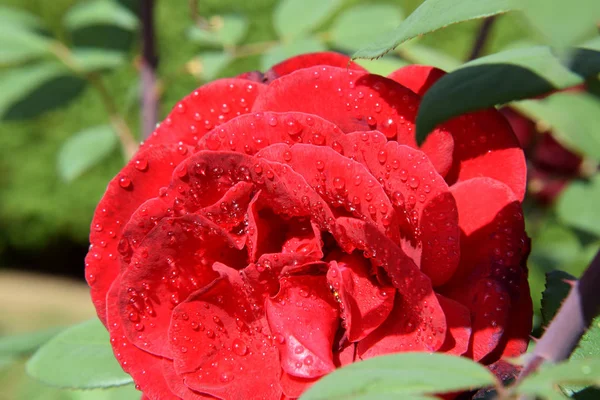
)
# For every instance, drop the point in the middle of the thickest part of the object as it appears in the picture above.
(570, 282)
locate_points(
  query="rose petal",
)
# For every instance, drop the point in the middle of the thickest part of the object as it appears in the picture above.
(516, 336)
(204, 109)
(139, 180)
(329, 58)
(415, 300)
(482, 140)
(353, 100)
(303, 318)
(293, 386)
(172, 261)
(221, 345)
(458, 318)
(430, 233)
(177, 385)
(493, 247)
(345, 185)
(144, 368)
(250, 133)
(418, 78)
(271, 233)
(364, 305)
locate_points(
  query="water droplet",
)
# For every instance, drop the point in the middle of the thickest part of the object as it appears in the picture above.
(339, 183)
(124, 182)
(141, 164)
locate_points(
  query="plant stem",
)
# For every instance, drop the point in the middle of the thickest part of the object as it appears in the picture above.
(570, 323)
(129, 144)
(148, 70)
(482, 37)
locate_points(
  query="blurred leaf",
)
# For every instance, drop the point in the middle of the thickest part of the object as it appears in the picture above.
(19, 44)
(577, 206)
(587, 394)
(227, 30)
(562, 23)
(555, 246)
(85, 149)
(556, 290)
(573, 117)
(19, 18)
(585, 60)
(96, 59)
(402, 375)
(488, 81)
(100, 12)
(424, 55)
(358, 26)
(430, 16)
(80, 357)
(17, 84)
(125, 392)
(283, 51)
(25, 342)
(544, 382)
(383, 66)
(294, 18)
(210, 64)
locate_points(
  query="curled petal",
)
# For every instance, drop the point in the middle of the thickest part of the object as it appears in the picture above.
(172, 261)
(458, 318)
(429, 231)
(364, 305)
(353, 100)
(293, 386)
(139, 180)
(339, 181)
(221, 344)
(303, 318)
(415, 301)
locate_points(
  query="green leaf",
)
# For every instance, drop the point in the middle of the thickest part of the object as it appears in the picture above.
(430, 16)
(226, 30)
(80, 357)
(577, 206)
(97, 59)
(294, 18)
(401, 375)
(358, 26)
(125, 392)
(419, 54)
(585, 60)
(557, 289)
(211, 63)
(24, 343)
(17, 84)
(18, 17)
(510, 75)
(100, 12)
(283, 51)
(577, 21)
(573, 117)
(19, 44)
(383, 66)
(543, 383)
(85, 149)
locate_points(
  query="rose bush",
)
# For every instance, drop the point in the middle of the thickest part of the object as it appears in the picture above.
(278, 226)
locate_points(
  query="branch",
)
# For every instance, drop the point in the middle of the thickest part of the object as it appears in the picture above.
(570, 323)
(482, 37)
(148, 70)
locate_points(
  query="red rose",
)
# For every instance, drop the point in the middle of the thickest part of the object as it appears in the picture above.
(274, 229)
